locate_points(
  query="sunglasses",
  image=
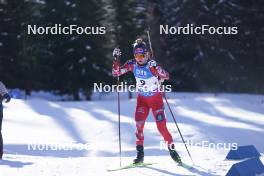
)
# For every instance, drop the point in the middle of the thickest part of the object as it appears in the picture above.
(139, 56)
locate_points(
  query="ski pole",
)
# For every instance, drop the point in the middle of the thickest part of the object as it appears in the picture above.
(119, 123)
(150, 45)
(177, 126)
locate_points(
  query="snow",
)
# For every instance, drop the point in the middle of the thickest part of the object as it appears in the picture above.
(70, 50)
(37, 1)
(81, 138)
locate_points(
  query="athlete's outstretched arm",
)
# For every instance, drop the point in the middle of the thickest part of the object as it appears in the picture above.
(118, 70)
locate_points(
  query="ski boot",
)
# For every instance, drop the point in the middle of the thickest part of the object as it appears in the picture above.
(140, 155)
(174, 155)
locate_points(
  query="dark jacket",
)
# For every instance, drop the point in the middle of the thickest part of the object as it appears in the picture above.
(3, 89)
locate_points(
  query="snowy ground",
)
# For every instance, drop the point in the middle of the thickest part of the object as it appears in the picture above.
(85, 135)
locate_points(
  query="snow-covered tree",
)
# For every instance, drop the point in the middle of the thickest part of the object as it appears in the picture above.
(211, 62)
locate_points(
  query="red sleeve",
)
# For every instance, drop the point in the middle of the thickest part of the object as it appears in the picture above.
(160, 72)
(118, 70)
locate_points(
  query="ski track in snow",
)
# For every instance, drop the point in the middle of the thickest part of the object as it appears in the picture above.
(87, 135)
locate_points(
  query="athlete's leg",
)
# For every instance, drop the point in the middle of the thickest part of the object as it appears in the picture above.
(157, 106)
(141, 114)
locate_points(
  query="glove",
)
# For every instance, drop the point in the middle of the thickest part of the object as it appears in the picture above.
(6, 97)
(161, 80)
(152, 63)
(117, 52)
(116, 65)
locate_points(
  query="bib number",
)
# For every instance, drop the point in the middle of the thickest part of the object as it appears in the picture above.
(142, 82)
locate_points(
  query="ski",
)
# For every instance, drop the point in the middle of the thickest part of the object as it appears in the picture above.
(131, 166)
(186, 166)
